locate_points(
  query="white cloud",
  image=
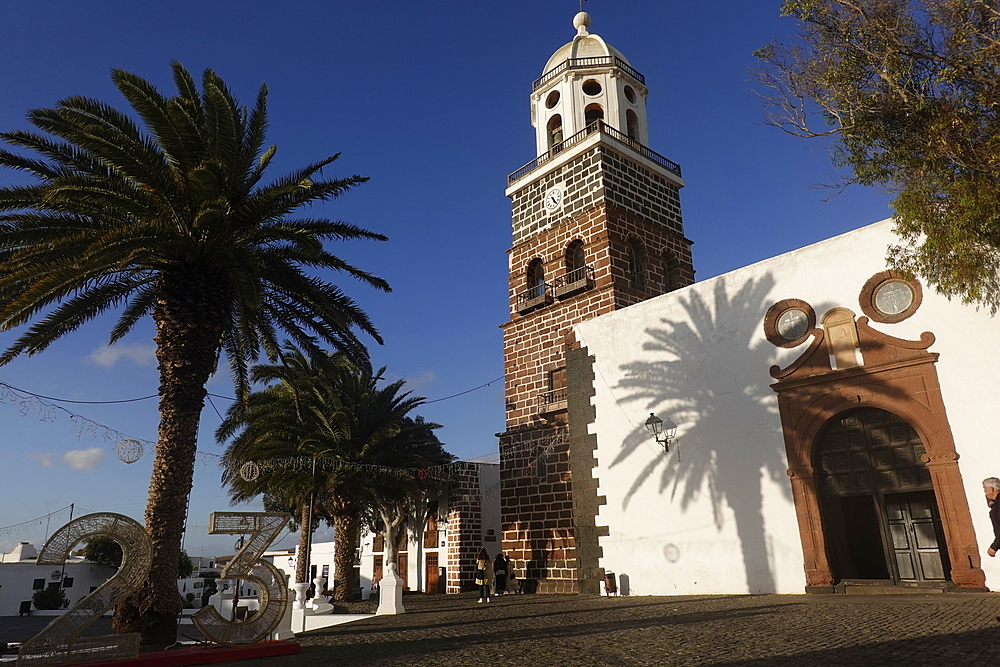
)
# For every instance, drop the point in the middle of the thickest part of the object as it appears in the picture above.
(83, 459)
(45, 459)
(420, 382)
(109, 355)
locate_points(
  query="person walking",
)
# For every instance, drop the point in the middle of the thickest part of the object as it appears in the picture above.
(500, 574)
(991, 486)
(484, 574)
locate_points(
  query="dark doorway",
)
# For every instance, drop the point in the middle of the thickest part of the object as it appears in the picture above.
(880, 516)
(432, 572)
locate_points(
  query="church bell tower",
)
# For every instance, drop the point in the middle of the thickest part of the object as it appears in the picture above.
(596, 227)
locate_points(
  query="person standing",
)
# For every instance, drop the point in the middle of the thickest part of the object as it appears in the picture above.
(500, 573)
(484, 574)
(991, 486)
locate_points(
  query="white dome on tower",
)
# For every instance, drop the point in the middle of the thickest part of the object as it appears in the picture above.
(584, 45)
(586, 85)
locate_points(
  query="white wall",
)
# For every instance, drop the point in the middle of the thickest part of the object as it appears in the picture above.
(489, 488)
(17, 579)
(721, 519)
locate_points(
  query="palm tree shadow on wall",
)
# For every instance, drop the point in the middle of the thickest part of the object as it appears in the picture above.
(709, 372)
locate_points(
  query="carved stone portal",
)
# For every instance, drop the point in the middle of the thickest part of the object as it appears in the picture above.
(895, 375)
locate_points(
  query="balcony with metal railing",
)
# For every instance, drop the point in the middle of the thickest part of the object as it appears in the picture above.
(587, 63)
(575, 281)
(535, 296)
(593, 128)
(552, 401)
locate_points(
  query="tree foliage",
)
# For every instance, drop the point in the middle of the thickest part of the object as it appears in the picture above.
(907, 92)
(357, 429)
(172, 218)
(274, 424)
(105, 551)
(50, 597)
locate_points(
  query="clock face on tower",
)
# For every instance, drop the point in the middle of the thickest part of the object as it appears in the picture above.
(553, 198)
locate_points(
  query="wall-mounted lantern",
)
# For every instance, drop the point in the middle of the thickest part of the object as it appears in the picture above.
(663, 431)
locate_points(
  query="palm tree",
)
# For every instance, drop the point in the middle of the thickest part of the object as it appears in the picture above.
(270, 426)
(171, 220)
(361, 422)
(362, 445)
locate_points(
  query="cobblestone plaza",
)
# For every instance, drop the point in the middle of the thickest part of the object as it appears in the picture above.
(761, 630)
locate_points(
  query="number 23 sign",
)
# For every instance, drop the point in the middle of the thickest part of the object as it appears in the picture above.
(60, 642)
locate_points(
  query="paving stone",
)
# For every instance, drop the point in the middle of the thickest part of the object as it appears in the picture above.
(955, 630)
(764, 630)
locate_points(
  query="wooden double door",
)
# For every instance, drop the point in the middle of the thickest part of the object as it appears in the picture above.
(880, 515)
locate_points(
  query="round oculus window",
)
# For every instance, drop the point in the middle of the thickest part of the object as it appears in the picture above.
(592, 87)
(552, 99)
(630, 94)
(893, 297)
(792, 324)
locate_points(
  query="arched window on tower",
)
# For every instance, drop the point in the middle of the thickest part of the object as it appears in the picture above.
(575, 258)
(593, 113)
(671, 271)
(636, 270)
(536, 279)
(579, 277)
(555, 131)
(632, 125)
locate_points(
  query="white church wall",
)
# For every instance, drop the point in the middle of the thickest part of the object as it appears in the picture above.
(721, 519)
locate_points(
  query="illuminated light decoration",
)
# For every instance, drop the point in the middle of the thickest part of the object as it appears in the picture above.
(249, 471)
(59, 643)
(264, 528)
(129, 450)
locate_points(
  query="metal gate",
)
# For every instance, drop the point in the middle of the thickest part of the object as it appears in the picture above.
(880, 517)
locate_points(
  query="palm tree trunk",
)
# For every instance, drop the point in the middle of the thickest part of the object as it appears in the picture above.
(305, 546)
(189, 325)
(346, 526)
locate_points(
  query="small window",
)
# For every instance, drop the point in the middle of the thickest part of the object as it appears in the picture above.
(432, 516)
(379, 543)
(67, 582)
(592, 87)
(632, 123)
(635, 266)
(541, 466)
(593, 113)
(38, 584)
(557, 379)
(671, 272)
(575, 257)
(552, 100)
(630, 94)
(555, 130)
(536, 279)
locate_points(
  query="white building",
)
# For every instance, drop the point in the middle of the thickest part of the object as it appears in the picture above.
(20, 578)
(438, 555)
(830, 429)
(834, 417)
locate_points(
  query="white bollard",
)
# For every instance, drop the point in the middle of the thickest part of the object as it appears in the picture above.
(390, 592)
(284, 629)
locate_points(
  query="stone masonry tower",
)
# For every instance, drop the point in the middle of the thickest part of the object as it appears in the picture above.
(596, 227)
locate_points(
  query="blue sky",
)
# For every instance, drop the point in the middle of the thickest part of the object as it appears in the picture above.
(431, 101)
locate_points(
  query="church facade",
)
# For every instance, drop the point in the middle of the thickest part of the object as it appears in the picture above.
(833, 417)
